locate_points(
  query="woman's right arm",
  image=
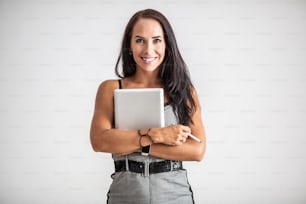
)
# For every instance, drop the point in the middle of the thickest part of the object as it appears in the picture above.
(102, 135)
(104, 138)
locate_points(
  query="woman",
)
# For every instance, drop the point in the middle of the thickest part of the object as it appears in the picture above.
(150, 59)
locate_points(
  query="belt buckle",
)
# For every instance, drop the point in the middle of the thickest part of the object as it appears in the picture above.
(146, 171)
(174, 165)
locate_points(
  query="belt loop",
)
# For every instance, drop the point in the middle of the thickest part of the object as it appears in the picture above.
(126, 163)
(171, 165)
(146, 168)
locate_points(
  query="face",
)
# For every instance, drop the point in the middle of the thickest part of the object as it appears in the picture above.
(148, 44)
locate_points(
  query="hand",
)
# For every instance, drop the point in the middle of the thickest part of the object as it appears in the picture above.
(171, 135)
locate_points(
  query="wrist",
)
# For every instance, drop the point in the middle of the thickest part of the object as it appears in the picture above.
(145, 145)
(145, 142)
(143, 132)
(144, 138)
(154, 134)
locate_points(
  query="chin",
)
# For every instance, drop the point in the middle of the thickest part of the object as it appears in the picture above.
(149, 68)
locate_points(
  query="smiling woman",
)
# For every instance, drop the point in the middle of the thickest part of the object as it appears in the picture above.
(147, 45)
(148, 162)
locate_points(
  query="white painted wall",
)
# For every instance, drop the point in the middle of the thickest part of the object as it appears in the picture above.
(246, 58)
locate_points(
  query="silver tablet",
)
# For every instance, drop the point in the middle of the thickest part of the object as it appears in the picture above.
(139, 108)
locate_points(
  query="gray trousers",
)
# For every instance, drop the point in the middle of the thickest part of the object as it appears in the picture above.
(161, 188)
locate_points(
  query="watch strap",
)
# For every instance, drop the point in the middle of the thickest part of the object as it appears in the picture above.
(145, 150)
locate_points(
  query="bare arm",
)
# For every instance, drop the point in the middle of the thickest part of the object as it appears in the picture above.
(168, 140)
(103, 137)
(190, 150)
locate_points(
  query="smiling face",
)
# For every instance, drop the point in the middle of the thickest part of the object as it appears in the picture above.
(148, 44)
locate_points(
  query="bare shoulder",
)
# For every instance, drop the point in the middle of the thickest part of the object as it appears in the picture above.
(194, 93)
(109, 85)
(106, 90)
(103, 113)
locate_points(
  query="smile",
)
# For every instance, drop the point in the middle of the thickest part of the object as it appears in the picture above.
(148, 59)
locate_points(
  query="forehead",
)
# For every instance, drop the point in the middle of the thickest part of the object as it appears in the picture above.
(147, 27)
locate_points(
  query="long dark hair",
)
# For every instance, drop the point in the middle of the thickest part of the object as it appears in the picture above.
(173, 71)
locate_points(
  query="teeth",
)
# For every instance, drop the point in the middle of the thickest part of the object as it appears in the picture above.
(148, 59)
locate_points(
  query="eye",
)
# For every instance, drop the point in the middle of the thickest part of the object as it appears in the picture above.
(157, 40)
(139, 40)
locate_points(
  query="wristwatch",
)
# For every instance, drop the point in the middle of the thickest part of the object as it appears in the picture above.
(145, 150)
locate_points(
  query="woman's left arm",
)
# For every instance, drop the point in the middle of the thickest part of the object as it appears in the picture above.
(191, 150)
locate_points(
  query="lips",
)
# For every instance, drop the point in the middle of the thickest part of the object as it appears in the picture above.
(148, 59)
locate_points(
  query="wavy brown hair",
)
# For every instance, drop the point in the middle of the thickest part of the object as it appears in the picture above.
(173, 71)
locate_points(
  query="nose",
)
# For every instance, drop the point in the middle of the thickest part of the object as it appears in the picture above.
(149, 47)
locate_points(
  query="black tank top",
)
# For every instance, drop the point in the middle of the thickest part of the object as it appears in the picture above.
(120, 84)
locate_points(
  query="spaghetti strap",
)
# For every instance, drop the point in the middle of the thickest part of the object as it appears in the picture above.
(120, 84)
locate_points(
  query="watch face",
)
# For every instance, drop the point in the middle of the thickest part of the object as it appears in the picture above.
(145, 150)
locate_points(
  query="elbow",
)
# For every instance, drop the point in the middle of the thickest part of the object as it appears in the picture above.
(99, 141)
(199, 153)
(96, 143)
(95, 147)
(198, 157)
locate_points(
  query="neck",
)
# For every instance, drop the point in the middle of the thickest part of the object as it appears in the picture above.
(148, 79)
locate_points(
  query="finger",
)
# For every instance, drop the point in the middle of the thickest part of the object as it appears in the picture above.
(183, 139)
(180, 143)
(185, 129)
(184, 136)
(179, 140)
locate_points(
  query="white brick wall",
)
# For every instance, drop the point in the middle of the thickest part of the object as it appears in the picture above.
(246, 58)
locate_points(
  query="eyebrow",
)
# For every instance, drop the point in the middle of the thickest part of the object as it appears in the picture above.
(154, 37)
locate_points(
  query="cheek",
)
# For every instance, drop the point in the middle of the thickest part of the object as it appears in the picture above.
(162, 49)
(136, 52)
(134, 47)
(162, 53)
(135, 58)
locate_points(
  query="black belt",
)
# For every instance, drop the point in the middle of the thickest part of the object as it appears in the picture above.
(147, 168)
